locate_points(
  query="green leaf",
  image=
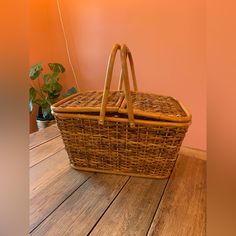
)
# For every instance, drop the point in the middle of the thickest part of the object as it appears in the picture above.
(69, 92)
(57, 87)
(55, 75)
(52, 97)
(48, 101)
(32, 93)
(35, 71)
(50, 90)
(56, 68)
(39, 102)
(44, 105)
(47, 88)
(46, 78)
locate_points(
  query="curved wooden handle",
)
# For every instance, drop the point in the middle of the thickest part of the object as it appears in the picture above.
(124, 51)
(131, 62)
(107, 85)
(125, 75)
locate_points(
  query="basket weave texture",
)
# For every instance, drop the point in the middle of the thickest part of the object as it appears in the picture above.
(116, 147)
(122, 132)
(91, 101)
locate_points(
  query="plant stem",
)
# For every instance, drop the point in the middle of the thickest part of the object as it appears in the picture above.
(40, 91)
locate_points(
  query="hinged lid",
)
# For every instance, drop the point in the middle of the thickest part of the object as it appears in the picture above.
(89, 102)
(157, 107)
(145, 105)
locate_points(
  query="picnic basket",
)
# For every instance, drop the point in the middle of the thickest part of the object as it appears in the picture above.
(122, 131)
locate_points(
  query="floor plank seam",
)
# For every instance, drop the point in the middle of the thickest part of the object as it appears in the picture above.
(158, 204)
(109, 206)
(61, 203)
(32, 147)
(58, 175)
(47, 157)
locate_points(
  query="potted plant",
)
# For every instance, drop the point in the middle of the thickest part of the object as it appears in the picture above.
(45, 90)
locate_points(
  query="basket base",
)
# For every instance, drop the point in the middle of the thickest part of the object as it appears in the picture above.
(119, 173)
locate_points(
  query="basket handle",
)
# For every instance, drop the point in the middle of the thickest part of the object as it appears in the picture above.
(124, 75)
(131, 62)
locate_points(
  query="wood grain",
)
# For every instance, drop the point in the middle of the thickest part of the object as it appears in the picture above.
(64, 201)
(47, 171)
(193, 152)
(52, 194)
(43, 136)
(182, 208)
(80, 212)
(133, 210)
(45, 150)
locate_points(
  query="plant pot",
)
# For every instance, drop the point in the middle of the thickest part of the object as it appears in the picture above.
(42, 124)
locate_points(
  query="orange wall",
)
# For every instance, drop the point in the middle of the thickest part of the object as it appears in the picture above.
(167, 39)
(46, 42)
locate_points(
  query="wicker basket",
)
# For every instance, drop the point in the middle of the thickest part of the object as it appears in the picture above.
(122, 132)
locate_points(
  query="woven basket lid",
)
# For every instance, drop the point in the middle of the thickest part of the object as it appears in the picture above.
(157, 107)
(145, 105)
(89, 101)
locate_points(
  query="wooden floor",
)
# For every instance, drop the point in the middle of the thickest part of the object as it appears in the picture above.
(64, 201)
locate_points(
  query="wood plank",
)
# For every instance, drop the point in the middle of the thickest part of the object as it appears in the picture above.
(43, 136)
(45, 150)
(47, 171)
(182, 210)
(80, 212)
(49, 197)
(133, 210)
(193, 152)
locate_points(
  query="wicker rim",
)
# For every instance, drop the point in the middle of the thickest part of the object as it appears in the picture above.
(125, 120)
(121, 103)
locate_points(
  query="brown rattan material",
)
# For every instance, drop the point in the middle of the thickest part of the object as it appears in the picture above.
(157, 107)
(122, 132)
(89, 101)
(115, 147)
